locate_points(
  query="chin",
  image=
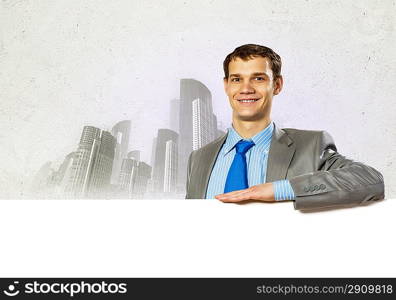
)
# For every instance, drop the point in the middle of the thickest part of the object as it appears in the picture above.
(249, 117)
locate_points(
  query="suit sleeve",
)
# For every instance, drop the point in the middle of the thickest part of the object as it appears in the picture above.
(338, 181)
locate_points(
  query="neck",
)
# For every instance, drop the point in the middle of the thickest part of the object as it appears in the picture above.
(248, 129)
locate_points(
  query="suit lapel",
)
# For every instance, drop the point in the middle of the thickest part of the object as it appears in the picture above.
(280, 155)
(207, 163)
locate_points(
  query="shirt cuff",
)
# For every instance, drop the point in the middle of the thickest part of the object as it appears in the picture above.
(283, 190)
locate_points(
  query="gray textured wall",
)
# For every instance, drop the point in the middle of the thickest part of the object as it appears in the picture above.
(65, 64)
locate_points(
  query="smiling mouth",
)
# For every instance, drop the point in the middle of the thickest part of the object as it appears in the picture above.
(247, 100)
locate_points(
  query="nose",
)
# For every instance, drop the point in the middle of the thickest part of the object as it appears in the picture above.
(247, 88)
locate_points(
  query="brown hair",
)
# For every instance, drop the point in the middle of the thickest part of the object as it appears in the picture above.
(250, 51)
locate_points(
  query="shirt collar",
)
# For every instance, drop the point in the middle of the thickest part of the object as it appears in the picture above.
(261, 139)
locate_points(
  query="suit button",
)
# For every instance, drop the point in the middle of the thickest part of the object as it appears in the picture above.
(311, 188)
(322, 186)
(306, 189)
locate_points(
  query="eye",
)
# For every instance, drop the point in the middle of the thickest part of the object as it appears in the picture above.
(259, 78)
(235, 79)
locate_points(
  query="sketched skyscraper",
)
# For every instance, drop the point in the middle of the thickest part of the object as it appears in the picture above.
(134, 154)
(92, 164)
(153, 147)
(102, 169)
(63, 174)
(142, 177)
(134, 177)
(41, 180)
(215, 127)
(170, 167)
(174, 115)
(161, 162)
(204, 123)
(127, 176)
(121, 132)
(196, 122)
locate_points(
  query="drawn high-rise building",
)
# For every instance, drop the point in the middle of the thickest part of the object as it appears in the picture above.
(215, 127)
(127, 174)
(121, 132)
(196, 122)
(163, 137)
(63, 174)
(153, 149)
(170, 167)
(134, 176)
(92, 164)
(142, 177)
(135, 154)
(102, 169)
(220, 130)
(174, 114)
(42, 180)
(204, 126)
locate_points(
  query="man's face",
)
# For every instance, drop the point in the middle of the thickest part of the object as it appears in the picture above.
(250, 88)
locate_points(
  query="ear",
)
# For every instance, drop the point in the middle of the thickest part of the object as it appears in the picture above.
(278, 85)
(225, 82)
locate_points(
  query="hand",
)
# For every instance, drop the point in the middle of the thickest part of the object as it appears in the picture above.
(262, 192)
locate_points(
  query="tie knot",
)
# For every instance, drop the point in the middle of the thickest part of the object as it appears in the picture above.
(243, 146)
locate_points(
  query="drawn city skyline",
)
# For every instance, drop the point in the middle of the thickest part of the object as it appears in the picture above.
(106, 165)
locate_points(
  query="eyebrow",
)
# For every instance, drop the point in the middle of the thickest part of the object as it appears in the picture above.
(254, 74)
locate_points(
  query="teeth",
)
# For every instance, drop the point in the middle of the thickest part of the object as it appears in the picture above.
(247, 101)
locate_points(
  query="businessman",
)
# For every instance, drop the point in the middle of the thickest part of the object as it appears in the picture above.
(258, 161)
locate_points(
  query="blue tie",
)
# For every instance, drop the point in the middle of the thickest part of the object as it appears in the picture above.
(237, 175)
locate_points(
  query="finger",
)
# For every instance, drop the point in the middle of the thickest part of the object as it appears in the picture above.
(228, 197)
(246, 195)
(234, 193)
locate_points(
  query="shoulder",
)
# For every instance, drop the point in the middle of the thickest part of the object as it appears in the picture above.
(314, 137)
(302, 134)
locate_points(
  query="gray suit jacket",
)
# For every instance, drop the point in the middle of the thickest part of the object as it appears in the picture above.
(319, 176)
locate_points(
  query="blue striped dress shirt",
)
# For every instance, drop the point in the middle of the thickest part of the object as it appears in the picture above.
(256, 159)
